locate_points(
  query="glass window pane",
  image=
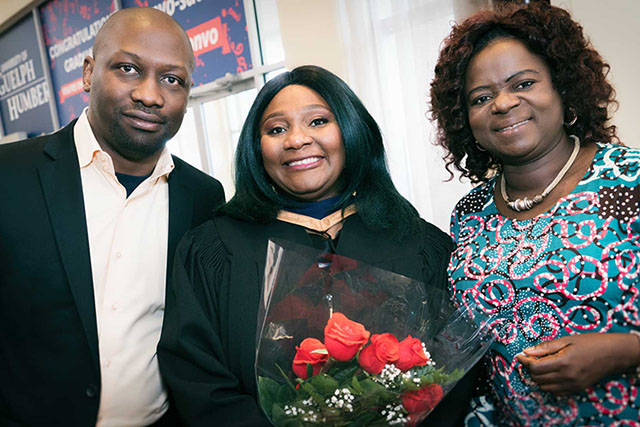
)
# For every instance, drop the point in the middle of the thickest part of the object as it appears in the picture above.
(185, 143)
(269, 31)
(223, 119)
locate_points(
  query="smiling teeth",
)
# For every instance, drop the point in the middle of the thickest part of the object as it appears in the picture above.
(306, 161)
(514, 126)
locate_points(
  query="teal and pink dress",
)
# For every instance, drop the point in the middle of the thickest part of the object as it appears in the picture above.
(573, 269)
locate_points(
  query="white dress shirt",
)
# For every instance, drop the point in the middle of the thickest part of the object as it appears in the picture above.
(128, 245)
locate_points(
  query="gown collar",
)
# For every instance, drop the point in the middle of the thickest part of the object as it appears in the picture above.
(319, 225)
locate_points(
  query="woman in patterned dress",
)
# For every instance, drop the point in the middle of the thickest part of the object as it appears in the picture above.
(549, 241)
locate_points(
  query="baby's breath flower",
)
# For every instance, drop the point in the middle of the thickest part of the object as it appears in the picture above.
(291, 410)
(394, 414)
(341, 399)
(388, 376)
(426, 353)
(310, 414)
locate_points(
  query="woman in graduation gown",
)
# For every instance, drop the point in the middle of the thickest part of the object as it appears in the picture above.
(310, 169)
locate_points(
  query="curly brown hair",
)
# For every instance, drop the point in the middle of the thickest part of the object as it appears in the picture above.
(578, 73)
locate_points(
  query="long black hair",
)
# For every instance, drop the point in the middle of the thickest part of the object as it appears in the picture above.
(365, 173)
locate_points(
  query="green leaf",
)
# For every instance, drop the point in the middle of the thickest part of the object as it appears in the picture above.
(278, 415)
(286, 378)
(284, 394)
(309, 370)
(408, 385)
(268, 392)
(313, 392)
(356, 385)
(369, 418)
(456, 375)
(343, 373)
(283, 420)
(430, 375)
(324, 384)
(374, 388)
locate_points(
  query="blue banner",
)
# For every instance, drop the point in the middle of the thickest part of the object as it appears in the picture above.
(69, 28)
(24, 92)
(217, 30)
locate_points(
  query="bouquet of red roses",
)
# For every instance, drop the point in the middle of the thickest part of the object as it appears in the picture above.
(346, 344)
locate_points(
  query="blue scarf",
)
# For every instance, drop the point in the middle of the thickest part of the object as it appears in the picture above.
(317, 210)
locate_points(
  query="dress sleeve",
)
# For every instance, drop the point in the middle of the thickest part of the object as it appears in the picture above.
(191, 354)
(436, 250)
(453, 225)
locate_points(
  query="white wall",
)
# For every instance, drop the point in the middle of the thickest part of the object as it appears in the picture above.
(614, 29)
(311, 34)
(8, 8)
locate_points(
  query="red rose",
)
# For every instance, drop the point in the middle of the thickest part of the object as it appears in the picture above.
(421, 402)
(310, 351)
(344, 337)
(411, 354)
(382, 350)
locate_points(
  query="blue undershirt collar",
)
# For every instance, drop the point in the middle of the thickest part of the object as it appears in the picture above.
(317, 210)
(130, 182)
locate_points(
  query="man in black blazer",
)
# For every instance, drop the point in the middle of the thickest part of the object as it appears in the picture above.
(52, 369)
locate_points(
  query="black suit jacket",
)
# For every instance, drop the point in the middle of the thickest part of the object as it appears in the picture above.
(49, 363)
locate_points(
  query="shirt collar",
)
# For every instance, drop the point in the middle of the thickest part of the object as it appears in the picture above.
(88, 148)
(164, 166)
(86, 144)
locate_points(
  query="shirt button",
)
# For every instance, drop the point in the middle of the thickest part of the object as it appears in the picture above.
(118, 254)
(115, 307)
(91, 391)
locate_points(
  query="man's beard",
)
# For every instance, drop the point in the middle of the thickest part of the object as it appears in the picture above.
(141, 146)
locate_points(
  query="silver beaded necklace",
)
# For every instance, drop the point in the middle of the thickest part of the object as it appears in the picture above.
(526, 203)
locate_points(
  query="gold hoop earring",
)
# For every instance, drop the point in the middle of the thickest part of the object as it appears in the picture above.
(480, 147)
(574, 118)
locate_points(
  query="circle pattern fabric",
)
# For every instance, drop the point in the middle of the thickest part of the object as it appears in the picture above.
(571, 270)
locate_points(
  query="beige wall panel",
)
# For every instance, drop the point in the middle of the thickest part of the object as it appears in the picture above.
(311, 34)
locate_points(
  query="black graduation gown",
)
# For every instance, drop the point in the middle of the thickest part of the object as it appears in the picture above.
(208, 345)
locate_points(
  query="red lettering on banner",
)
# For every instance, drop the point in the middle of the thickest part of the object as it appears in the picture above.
(70, 89)
(237, 48)
(208, 36)
(242, 64)
(234, 14)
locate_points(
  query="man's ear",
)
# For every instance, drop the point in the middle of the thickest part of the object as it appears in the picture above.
(87, 72)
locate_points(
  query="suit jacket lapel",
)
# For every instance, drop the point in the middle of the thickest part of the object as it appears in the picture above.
(62, 188)
(180, 212)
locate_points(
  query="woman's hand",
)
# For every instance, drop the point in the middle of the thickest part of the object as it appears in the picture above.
(571, 364)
